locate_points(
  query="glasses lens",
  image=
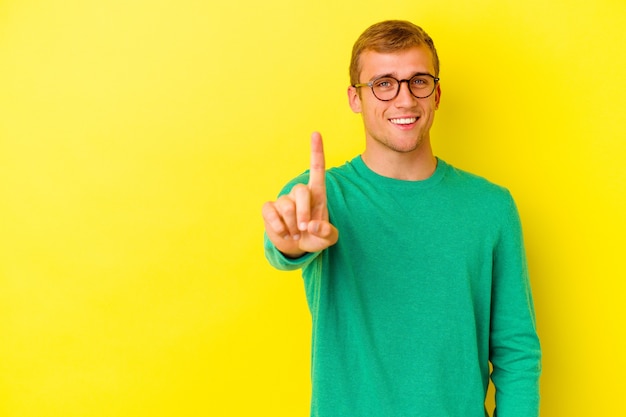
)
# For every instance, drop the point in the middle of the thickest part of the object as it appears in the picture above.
(385, 88)
(422, 85)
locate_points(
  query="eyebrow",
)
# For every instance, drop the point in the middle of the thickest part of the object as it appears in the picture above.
(392, 75)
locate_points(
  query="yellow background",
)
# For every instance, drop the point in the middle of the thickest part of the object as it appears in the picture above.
(139, 139)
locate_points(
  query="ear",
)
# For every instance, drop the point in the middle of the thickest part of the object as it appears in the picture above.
(354, 99)
(437, 96)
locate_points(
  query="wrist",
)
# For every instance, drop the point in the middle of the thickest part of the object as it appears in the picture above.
(294, 254)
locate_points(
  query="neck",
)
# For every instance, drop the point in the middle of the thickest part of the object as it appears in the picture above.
(416, 165)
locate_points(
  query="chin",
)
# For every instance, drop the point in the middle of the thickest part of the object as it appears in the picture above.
(405, 146)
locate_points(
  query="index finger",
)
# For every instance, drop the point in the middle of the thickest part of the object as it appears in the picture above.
(317, 173)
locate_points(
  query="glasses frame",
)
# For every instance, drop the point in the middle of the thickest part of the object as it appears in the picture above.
(408, 83)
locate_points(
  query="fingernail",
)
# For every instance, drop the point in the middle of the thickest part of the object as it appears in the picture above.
(302, 226)
(296, 237)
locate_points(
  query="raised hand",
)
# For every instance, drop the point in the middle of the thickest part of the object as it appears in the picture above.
(297, 222)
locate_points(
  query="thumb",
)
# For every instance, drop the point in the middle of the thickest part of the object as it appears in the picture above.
(323, 230)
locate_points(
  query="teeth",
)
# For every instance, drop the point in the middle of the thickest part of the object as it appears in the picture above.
(403, 121)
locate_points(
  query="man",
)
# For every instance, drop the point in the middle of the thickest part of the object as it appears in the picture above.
(414, 271)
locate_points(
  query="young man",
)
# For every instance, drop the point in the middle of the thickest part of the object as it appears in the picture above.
(414, 271)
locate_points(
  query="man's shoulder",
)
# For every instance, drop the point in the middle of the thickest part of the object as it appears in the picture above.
(471, 187)
(343, 175)
(465, 178)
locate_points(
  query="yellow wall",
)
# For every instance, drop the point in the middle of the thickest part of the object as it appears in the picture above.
(138, 140)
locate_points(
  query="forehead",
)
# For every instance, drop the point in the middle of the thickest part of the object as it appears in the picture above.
(400, 64)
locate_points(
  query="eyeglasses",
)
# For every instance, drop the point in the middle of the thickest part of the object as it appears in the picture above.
(387, 88)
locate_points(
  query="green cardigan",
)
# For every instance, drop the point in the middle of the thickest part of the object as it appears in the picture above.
(426, 286)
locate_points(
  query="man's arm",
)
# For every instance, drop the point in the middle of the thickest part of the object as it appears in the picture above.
(514, 345)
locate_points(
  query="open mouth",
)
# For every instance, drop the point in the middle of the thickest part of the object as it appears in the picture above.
(403, 121)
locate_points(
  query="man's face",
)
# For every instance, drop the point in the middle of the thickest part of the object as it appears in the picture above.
(402, 124)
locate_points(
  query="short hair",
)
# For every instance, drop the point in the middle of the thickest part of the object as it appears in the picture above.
(390, 36)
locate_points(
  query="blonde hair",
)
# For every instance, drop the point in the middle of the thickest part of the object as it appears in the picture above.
(390, 36)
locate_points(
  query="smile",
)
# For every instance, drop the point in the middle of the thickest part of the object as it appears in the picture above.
(403, 121)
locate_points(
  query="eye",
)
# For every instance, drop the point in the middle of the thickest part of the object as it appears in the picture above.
(385, 83)
(421, 83)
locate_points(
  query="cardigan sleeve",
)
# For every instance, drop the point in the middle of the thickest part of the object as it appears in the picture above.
(514, 345)
(279, 261)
